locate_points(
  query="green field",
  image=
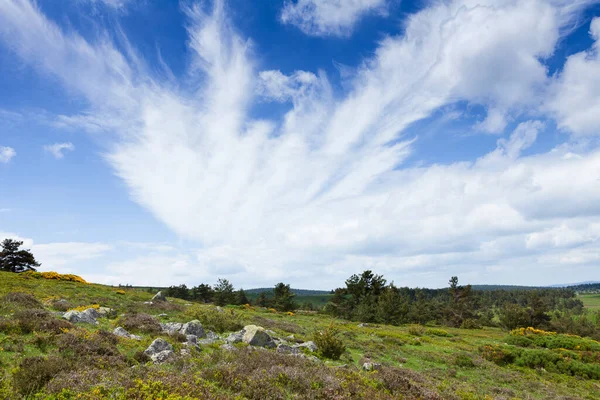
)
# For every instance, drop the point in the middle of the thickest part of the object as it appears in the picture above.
(82, 362)
(591, 301)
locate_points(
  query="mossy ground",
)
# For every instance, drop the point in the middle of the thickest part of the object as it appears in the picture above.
(418, 362)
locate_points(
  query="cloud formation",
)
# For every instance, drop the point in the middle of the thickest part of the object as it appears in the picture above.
(6, 154)
(322, 190)
(58, 149)
(329, 17)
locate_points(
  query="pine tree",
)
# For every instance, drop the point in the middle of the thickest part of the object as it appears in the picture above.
(223, 293)
(283, 298)
(14, 260)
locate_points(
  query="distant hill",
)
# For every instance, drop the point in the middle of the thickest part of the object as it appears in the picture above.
(504, 287)
(298, 292)
(576, 284)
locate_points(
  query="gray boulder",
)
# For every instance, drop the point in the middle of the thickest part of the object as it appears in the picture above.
(159, 297)
(228, 347)
(211, 335)
(235, 337)
(193, 328)
(286, 349)
(159, 351)
(310, 345)
(106, 312)
(257, 336)
(87, 316)
(171, 328)
(119, 331)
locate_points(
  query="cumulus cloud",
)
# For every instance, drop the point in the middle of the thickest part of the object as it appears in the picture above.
(58, 149)
(321, 190)
(329, 17)
(6, 154)
(575, 98)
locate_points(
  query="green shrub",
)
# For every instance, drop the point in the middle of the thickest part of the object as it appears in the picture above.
(329, 343)
(416, 330)
(437, 332)
(497, 354)
(463, 361)
(215, 320)
(521, 341)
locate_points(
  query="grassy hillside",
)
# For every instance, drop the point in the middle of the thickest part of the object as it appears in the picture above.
(44, 357)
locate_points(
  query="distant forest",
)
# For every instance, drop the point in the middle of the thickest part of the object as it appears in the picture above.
(368, 298)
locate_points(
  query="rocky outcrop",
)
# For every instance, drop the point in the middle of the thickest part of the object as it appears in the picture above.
(87, 316)
(159, 351)
(257, 336)
(310, 345)
(119, 331)
(193, 328)
(190, 328)
(235, 337)
(287, 349)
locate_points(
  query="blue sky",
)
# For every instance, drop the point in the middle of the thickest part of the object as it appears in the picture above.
(166, 142)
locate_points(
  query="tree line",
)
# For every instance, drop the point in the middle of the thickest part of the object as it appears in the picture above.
(223, 293)
(369, 298)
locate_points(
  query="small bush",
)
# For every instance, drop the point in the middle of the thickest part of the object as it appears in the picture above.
(463, 361)
(329, 343)
(34, 372)
(497, 354)
(437, 332)
(227, 320)
(141, 323)
(416, 330)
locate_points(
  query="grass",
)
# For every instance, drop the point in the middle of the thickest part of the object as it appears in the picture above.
(418, 362)
(590, 301)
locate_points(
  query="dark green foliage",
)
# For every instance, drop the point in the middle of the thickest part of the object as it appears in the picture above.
(262, 300)
(223, 293)
(180, 292)
(14, 260)
(513, 316)
(241, 297)
(203, 293)
(329, 343)
(283, 298)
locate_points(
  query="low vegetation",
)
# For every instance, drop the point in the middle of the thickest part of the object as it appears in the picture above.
(43, 356)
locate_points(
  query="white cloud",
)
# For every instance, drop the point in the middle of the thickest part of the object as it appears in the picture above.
(6, 154)
(116, 4)
(55, 256)
(58, 149)
(318, 192)
(329, 17)
(575, 98)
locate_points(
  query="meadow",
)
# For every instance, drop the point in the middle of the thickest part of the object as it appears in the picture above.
(45, 357)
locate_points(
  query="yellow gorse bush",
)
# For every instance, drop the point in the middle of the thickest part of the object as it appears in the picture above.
(83, 308)
(56, 276)
(530, 331)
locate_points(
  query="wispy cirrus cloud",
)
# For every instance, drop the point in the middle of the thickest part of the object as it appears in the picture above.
(58, 149)
(322, 187)
(329, 17)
